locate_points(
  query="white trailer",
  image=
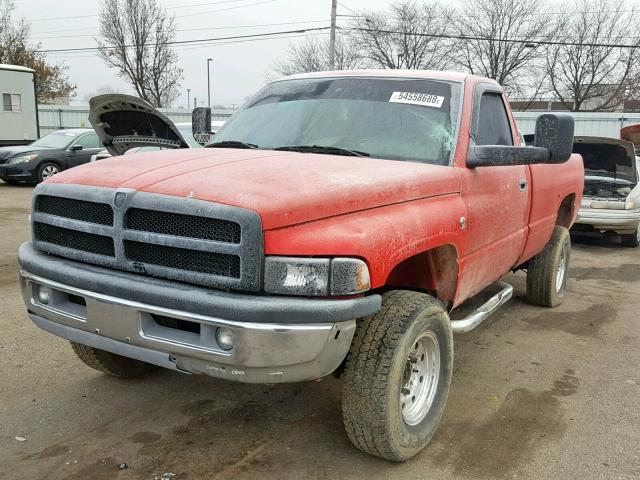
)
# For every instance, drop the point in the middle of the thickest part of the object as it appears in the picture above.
(19, 112)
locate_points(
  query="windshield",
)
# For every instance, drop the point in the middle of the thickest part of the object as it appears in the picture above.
(397, 119)
(56, 140)
(187, 133)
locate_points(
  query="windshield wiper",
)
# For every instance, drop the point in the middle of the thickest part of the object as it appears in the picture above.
(322, 149)
(232, 144)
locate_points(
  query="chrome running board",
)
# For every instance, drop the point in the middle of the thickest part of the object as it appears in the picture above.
(484, 311)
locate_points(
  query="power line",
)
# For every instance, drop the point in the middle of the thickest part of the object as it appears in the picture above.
(184, 42)
(347, 8)
(491, 39)
(225, 9)
(168, 8)
(205, 45)
(228, 27)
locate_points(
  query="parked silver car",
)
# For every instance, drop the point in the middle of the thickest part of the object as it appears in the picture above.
(611, 201)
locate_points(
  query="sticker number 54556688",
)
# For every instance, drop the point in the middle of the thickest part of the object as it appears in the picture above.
(423, 99)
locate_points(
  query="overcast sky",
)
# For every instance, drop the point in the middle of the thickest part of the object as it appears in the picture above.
(239, 69)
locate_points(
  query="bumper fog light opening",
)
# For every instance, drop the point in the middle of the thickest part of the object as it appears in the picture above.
(224, 338)
(42, 294)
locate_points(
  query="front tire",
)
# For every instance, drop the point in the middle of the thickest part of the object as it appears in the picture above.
(110, 363)
(631, 240)
(397, 376)
(47, 170)
(547, 272)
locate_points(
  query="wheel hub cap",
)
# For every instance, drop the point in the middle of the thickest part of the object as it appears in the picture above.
(420, 379)
(49, 171)
(562, 267)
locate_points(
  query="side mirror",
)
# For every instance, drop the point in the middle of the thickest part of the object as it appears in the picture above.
(554, 131)
(75, 148)
(201, 124)
(553, 143)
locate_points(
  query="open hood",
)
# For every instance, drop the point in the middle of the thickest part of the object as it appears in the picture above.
(124, 122)
(607, 157)
(631, 134)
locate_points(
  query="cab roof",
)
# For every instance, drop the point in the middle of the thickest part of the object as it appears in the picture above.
(388, 73)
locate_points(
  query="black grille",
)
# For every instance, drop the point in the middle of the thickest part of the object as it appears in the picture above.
(64, 237)
(183, 259)
(82, 210)
(182, 225)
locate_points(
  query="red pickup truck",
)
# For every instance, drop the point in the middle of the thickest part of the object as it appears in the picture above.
(331, 226)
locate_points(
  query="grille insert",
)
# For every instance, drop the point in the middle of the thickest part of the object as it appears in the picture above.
(64, 237)
(183, 259)
(85, 211)
(181, 225)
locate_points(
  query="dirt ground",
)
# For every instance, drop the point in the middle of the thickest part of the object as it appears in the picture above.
(536, 394)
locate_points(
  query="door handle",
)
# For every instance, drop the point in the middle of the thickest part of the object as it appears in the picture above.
(522, 183)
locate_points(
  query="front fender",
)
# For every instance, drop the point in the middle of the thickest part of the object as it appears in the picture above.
(383, 237)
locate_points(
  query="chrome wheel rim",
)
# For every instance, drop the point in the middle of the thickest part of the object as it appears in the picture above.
(49, 171)
(420, 379)
(562, 268)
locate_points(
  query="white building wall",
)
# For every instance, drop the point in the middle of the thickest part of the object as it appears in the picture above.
(587, 123)
(18, 127)
(56, 117)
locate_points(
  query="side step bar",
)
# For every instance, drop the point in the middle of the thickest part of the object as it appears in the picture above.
(484, 311)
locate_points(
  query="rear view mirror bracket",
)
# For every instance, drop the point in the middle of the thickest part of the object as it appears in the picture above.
(201, 124)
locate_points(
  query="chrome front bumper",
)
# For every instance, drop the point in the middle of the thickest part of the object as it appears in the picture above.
(261, 353)
(174, 326)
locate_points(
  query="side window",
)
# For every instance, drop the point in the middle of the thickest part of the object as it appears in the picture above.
(6, 102)
(493, 123)
(11, 102)
(88, 141)
(16, 102)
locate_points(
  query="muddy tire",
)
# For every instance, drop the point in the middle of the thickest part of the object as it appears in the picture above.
(397, 376)
(110, 363)
(547, 271)
(631, 240)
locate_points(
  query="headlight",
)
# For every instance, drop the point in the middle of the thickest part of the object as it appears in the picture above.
(23, 159)
(316, 276)
(614, 205)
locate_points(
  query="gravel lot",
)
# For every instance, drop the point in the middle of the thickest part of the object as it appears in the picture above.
(536, 394)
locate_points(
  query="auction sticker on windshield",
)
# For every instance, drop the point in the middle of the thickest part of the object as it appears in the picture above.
(423, 99)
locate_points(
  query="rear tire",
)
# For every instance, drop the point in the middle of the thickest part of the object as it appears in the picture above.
(631, 240)
(547, 271)
(110, 363)
(397, 376)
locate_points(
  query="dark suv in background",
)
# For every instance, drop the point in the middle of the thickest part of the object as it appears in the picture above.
(47, 156)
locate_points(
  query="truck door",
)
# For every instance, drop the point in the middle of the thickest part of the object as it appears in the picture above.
(497, 199)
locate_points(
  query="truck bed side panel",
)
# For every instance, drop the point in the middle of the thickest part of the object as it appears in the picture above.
(550, 185)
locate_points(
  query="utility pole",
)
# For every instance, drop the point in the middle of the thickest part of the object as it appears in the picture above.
(188, 98)
(332, 36)
(209, 60)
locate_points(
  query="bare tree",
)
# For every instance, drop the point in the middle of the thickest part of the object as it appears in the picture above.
(409, 35)
(135, 38)
(591, 73)
(15, 48)
(312, 55)
(490, 53)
